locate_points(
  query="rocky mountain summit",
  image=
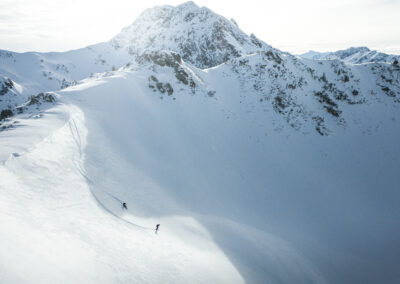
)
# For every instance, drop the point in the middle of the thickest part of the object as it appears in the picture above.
(201, 37)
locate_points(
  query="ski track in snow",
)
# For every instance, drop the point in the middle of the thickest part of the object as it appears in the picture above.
(77, 138)
(267, 168)
(68, 172)
(50, 214)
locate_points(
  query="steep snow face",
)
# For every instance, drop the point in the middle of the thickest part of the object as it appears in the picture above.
(54, 230)
(203, 38)
(240, 193)
(353, 55)
(267, 168)
(284, 207)
(65, 196)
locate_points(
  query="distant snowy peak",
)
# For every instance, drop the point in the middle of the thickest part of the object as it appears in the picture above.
(353, 55)
(202, 38)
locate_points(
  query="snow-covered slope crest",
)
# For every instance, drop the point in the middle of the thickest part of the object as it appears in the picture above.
(283, 207)
(239, 198)
(353, 55)
(65, 192)
(203, 38)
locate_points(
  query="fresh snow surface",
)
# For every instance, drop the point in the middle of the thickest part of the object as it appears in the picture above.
(54, 230)
(237, 200)
(263, 167)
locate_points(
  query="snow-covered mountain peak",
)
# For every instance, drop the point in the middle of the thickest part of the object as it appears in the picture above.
(265, 168)
(162, 12)
(352, 50)
(353, 55)
(202, 37)
(189, 5)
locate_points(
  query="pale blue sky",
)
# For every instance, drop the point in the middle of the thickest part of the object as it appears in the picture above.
(291, 25)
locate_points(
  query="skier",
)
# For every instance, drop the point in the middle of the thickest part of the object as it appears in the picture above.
(124, 206)
(158, 225)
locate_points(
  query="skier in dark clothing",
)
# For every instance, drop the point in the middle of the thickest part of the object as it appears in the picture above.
(124, 206)
(158, 225)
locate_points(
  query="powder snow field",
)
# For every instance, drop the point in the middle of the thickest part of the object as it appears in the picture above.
(237, 200)
(54, 230)
(263, 167)
(62, 220)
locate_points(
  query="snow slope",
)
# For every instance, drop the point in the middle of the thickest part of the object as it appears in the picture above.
(263, 168)
(238, 200)
(57, 232)
(66, 199)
